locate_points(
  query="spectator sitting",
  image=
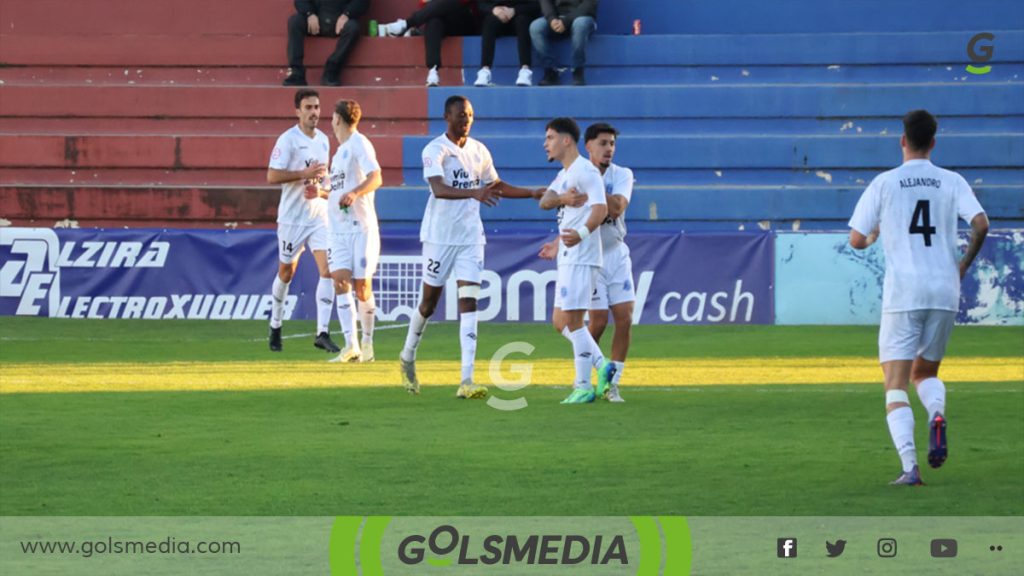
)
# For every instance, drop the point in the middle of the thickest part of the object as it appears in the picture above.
(440, 18)
(329, 18)
(503, 17)
(563, 17)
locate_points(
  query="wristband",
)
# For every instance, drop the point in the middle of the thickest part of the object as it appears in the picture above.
(583, 231)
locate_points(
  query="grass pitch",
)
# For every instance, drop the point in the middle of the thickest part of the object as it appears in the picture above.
(198, 418)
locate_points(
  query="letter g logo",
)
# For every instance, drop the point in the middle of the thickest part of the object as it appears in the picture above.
(980, 54)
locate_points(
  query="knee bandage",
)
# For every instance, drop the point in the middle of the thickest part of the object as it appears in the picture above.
(472, 291)
(894, 396)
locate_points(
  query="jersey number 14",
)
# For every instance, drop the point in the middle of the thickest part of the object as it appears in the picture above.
(921, 221)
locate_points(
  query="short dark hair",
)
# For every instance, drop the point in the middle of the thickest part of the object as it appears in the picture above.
(595, 130)
(303, 93)
(452, 100)
(565, 126)
(919, 126)
(349, 111)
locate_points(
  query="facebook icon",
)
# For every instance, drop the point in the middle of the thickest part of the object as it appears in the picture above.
(787, 547)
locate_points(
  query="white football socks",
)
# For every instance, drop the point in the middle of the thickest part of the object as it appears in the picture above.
(279, 291)
(324, 304)
(932, 393)
(417, 324)
(582, 350)
(367, 317)
(348, 319)
(467, 337)
(901, 428)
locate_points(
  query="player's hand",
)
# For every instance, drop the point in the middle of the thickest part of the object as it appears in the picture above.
(486, 195)
(963, 269)
(313, 25)
(342, 20)
(549, 251)
(570, 238)
(558, 25)
(347, 199)
(314, 171)
(572, 198)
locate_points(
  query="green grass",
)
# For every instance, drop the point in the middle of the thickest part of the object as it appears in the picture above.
(709, 450)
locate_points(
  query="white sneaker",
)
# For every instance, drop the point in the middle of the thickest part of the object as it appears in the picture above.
(613, 394)
(367, 352)
(525, 77)
(347, 354)
(396, 28)
(432, 77)
(483, 77)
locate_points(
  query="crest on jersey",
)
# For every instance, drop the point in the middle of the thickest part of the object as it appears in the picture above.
(428, 162)
(344, 155)
(276, 154)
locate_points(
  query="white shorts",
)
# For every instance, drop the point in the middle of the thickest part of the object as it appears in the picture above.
(614, 280)
(907, 335)
(292, 238)
(442, 260)
(575, 286)
(356, 251)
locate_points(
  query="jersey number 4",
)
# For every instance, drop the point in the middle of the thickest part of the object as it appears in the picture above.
(921, 221)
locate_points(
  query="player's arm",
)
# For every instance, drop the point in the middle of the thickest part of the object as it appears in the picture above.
(550, 199)
(860, 241)
(598, 212)
(441, 190)
(617, 205)
(370, 184)
(314, 170)
(622, 191)
(506, 190)
(979, 230)
(866, 217)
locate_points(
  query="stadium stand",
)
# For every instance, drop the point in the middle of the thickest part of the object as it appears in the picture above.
(734, 114)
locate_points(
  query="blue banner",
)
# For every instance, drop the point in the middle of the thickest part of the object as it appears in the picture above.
(820, 279)
(205, 274)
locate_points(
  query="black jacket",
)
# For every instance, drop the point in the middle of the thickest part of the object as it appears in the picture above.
(568, 10)
(488, 6)
(329, 10)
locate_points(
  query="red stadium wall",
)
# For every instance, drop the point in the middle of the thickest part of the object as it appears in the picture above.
(163, 112)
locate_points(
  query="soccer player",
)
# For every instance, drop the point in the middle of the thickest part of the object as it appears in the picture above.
(461, 176)
(615, 280)
(355, 238)
(579, 251)
(299, 164)
(914, 209)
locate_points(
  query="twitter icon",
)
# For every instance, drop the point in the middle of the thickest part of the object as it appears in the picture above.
(835, 550)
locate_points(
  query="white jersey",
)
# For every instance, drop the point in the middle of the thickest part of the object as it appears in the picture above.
(586, 179)
(456, 222)
(915, 208)
(295, 151)
(353, 161)
(618, 181)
